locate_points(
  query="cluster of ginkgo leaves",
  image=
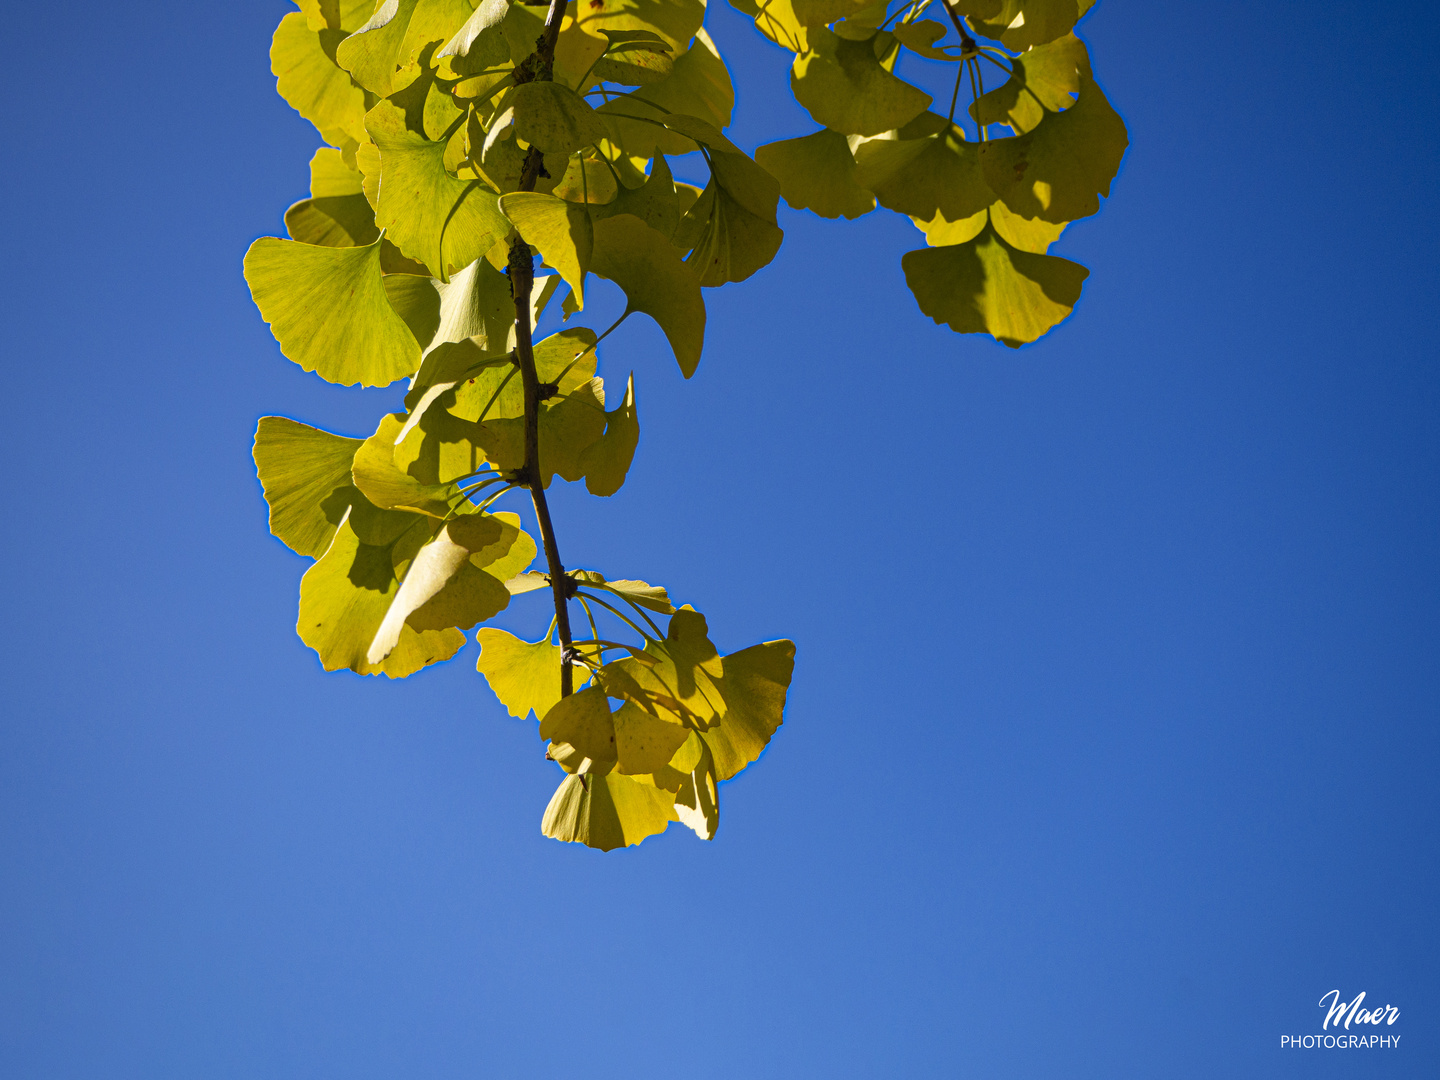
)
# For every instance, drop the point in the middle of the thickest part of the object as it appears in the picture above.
(466, 141)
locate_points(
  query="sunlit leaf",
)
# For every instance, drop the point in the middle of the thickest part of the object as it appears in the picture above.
(817, 172)
(344, 598)
(586, 180)
(524, 675)
(1019, 24)
(659, 201)
(554, 118)
(306, 76)
(328, 309)
(479, 43)
(607, 460)
(476, 303)
(844, 87)
(606, 811)
(920, 37)
(673, 21)
(736, 218)
(442, 221)
(347, 15)
(1058, 171)
(697, 798)
(442, 586)
(644, 263)
(338, 221)
(386, 484)
(935, 174)
(634, 58)
(989, 286)
(1045, 79)
(562, 231)
(643, 743)
(331, 177)
(653, 597)
(305, 473)
(776, 19)
(820, 12)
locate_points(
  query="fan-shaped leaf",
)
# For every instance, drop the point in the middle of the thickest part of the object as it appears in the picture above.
(606, 811)
(1058, 171)
(1043, 80)
(524, 675)
(845, 87)
(554, 118)
(433, 217)
(327, 308)
(817, 172)
(306, 76)
(606, 461)
(643, 262)
(936, 174)
(561, 230)
(989, 286)
(305, 473)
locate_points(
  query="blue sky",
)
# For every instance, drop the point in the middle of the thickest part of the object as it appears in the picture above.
(1112, 743)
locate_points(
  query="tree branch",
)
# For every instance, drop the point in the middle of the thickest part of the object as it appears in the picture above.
(539, 67)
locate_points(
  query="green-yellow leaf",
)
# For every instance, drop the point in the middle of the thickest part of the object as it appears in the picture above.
(817, 173)
(442, 587)
(845, 87)
(433, 217)
(344, 598)
(920, 37)
(643, 743)
(822, 12)
(1043, 80)
(347, 15)
(337, 221)
(606, 811)
(607, 460)
(735, 216)
(583, 721)
(305, 473)
(1019, 24)
(1058, 171)
(936, 174)
(561, 230)
(524, 675)
(586, 180)
(304, 66)
(381, 479)
(647, 267)
(554, 118)
(479, 43)
(331, 177)
(776, 19)
(328, 309)
(989, 286)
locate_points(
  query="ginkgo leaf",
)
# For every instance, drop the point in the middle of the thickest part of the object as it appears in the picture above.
(306, 76)
(817, 172)
(415, 300)
(583, 721)
(327, 308)
(554, 118)
(754, 686)
(1019, 24)
(1058, 171)
(644, 263)
(305, 474)
(378, 54)
(562, 231)
(606, 461)
(776, 19)
(386, 484)
(347, 15)
(371, 53)
(345, 595)
(659, 201)
(479, 43)
(1027, 234)
(642, 593)
(673, 21)
(989, 286)
(697, 795)
(698, 85)
(822, 12)
(644, 743)
(844, 87)
(331, 177)
(524, 675)
(337, 221)
(736, 218)
(586, 180)
(433, 217)
(634, 58)
(936, 174)
(1045, 79)
(606, 811)
(444, 566)
(920, 37)
(476, 304)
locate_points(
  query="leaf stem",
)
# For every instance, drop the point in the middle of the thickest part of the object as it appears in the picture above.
(619, 615)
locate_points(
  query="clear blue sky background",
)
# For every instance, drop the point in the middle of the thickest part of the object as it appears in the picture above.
(1112, 744)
